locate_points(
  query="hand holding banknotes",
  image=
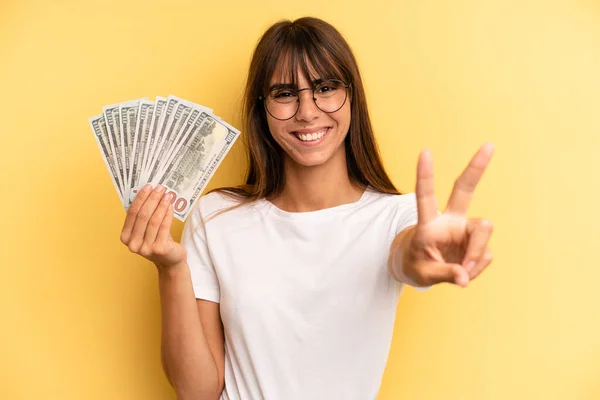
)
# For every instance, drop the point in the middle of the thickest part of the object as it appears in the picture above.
(147, 228)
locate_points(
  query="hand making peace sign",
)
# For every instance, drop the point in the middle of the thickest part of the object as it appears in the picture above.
(449, 247)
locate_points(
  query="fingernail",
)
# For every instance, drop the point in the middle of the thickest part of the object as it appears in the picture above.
(167, 196)
(147, 187)
(159, 188)
(489, 147)
(461, 281)
(470, 266)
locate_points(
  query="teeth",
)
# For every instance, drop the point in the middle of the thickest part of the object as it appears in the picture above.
(311, 136)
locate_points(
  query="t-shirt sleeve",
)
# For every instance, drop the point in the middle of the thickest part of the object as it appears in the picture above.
(408, 216)
(202, 269)
(407, 212)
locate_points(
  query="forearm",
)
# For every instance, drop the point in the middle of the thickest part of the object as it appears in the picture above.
(187, 360)
(400, 259)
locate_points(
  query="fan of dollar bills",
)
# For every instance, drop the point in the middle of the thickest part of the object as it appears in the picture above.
(172, 142)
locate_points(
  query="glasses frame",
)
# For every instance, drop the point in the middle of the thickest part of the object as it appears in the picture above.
(346, 86)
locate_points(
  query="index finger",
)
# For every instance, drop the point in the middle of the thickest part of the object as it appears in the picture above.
(465, 184)
(426, 201)
(135, 207)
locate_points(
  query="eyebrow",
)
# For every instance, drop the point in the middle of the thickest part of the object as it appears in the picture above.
(279, 86)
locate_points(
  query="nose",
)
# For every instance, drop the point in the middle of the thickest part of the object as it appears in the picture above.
(307, 110)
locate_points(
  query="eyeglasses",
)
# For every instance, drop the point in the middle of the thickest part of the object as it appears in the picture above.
(283, 101)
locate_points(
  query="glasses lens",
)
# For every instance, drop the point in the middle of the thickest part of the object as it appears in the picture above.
(330, 95)
(282, 103)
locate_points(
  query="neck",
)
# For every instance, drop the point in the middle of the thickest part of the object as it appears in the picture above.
(317, 187)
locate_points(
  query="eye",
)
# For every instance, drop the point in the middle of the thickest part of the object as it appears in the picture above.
(325, 89)
(283, 94)
(328, 87)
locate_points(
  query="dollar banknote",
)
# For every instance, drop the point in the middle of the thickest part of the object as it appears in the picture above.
(176, 114)
(127, 119)
(140, 143)
(171, 141)
(196, 160)
(159, 111)
(161, 132)
(98, 125)
(111, 115)
(185, 129)
(184, 112)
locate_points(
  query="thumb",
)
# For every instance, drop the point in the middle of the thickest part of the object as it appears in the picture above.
(438, 272)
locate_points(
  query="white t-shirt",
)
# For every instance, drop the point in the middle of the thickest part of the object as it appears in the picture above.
(306, 299)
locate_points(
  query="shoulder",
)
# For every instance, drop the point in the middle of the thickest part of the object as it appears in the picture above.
(398, 210)
(406, 201)
(216, 202)
(220, 212)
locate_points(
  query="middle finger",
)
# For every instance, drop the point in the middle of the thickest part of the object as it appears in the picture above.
(157, 218)
(146, 212)
(468, 180)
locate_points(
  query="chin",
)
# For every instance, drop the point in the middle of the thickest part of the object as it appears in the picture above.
(315, 159)
(311, 161)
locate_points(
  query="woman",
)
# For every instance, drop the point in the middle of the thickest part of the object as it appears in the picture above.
(286, 287)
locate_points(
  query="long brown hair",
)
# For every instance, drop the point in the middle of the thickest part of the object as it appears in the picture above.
(302, 43)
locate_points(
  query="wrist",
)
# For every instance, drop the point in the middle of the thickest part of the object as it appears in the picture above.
(172, 271)
(404, 259)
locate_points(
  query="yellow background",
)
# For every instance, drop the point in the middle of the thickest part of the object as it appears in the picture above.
(80, 313)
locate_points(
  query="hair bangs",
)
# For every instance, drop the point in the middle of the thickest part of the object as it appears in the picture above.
(300, 53)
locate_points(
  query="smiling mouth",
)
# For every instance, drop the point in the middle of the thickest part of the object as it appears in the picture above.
(311, 137)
